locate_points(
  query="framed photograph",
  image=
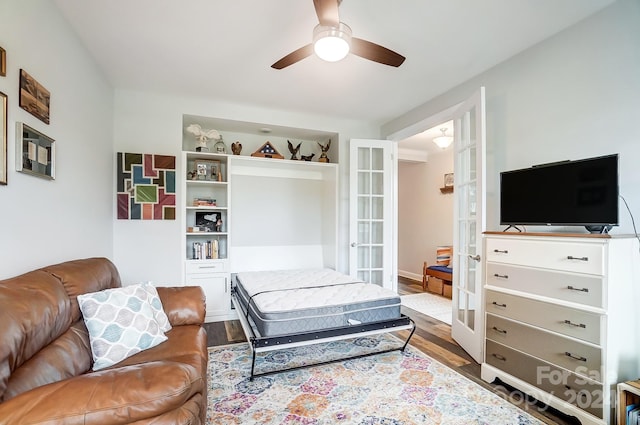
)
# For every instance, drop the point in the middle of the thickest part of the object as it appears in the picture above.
(3, 138)
(207, 170)
(34, 98)
(448, 180)
(35, 152)
(3, 62)
(210, 220)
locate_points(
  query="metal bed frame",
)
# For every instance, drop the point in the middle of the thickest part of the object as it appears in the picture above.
(260, 344)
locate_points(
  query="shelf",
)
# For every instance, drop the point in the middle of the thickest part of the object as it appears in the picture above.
(285, 168)
(207, 182)
(206, 233)
(446, 189)
(207, 208)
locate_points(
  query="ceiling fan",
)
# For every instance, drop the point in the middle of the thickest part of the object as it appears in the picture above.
(332, 41)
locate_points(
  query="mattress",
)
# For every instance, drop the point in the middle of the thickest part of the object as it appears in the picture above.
(288, 302)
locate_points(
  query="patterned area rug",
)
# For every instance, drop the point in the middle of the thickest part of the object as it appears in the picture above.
(397, 388)
(430, 304)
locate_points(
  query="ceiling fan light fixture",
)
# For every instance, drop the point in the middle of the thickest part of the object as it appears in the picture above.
(443, 141)
(332, 43)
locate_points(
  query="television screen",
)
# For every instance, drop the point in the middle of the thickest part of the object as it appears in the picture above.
(571, 193)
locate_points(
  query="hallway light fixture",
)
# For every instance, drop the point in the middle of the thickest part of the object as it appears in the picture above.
(332, 43)
(443, 141)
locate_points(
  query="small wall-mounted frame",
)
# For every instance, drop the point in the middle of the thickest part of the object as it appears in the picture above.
(35, 152)
(3, 62)
(34, 98)
(3, 138)
(448, 180)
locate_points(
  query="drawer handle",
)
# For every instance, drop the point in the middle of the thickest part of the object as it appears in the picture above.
(577, 325)
(580, 358)
(499, 357)
(502, 331)
(578, 289)
(571, 257)
(207, 267)
(499, 305)
(501, 251)
(501, 276)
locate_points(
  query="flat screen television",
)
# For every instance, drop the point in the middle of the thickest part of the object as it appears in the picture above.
(568, 193)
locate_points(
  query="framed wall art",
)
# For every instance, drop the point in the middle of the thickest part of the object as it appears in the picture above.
(448, 180)
(3, 138)
(35, 152)
(146, 186)
(34, 98)
(3, 62)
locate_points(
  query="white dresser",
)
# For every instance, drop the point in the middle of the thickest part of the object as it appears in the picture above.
(562, 318)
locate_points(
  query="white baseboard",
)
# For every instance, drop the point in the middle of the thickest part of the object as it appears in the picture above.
(410, 275)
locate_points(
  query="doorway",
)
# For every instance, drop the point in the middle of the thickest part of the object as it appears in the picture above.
(425, 218)
(469, 216)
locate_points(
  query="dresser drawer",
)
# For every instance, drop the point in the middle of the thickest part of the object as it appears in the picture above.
(576, 356)
(572, 287)
(585, 257)
(197, 267)
(567, 321)
(577, 390)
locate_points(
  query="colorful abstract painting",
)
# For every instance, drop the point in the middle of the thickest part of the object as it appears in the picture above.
(146, 186)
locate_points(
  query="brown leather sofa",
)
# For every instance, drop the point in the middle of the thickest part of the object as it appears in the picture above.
(46, 361)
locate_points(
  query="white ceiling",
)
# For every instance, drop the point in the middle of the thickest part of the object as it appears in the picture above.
(224, 49)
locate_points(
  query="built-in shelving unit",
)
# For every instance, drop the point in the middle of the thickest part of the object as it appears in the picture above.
(275, 213)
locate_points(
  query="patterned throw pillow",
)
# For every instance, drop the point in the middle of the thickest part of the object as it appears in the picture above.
(120, 322)
(443, 255)
(156, 306)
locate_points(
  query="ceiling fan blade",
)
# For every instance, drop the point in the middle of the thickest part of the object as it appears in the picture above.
(293, 57)
(375, 52)
(327, 11)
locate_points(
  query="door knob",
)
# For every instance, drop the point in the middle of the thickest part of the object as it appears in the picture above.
(355, 244)
(474, 257)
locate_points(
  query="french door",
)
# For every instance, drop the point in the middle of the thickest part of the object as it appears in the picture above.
(372, 247)
(467, 326)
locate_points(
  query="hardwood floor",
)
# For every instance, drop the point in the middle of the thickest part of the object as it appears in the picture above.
(433, 338)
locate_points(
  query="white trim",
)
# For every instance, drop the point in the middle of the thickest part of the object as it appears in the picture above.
(424, 124)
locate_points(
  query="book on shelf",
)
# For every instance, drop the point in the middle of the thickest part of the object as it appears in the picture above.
(204, 202)
(207, 250)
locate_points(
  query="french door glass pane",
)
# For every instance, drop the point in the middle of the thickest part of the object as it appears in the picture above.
(377, 183)
(364, 183)
(462, 305)
(363, 232)
(472, 126)
(363, 207)
(376, 232)
(376, 257)
(363, 275)
(376, 277)
(472, 238)
(377, 160)
(472, 162)
(470, 314)
(363, 257)
(377, 212)
(471, 276)
(364, 159)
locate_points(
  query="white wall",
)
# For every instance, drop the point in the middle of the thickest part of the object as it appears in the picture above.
(43, 222)
(152, 123)
(425, 215)
(572, 96)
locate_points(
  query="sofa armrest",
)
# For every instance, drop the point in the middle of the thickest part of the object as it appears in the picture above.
(184, 305)
(110, 396)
